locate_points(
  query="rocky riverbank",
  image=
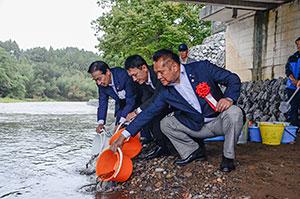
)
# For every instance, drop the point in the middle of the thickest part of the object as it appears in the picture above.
(262, 172)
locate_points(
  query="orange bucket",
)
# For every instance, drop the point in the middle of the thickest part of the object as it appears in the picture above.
(106, 163)
(131, 147)
(113, 166)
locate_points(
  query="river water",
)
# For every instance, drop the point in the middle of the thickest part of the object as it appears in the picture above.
(43, 148)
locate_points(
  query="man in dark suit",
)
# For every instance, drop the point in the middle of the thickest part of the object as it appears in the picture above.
(149, 86)
(183, 52)
(114, 83)
(292, 71)
(193, 116)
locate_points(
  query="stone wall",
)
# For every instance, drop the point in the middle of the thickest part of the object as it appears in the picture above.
(212, 49)
(261, 99)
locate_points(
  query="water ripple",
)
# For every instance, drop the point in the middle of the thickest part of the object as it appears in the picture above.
(43, 146)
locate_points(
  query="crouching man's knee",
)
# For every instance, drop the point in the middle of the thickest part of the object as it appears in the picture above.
(234, 114)
(166, 125)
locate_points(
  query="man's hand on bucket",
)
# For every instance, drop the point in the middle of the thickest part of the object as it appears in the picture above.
(117, 143)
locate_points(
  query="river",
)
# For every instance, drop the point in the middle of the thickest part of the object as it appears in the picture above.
(43, 148)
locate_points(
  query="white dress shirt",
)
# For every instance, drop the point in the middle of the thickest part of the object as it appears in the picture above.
(186, 90)
(149, 82)
(120, 94)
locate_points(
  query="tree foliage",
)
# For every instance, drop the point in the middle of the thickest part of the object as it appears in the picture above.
(129, 27)
(11, 82)
(144, 26)
(40, 73)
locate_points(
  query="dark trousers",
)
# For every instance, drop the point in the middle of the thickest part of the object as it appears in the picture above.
(293, 116)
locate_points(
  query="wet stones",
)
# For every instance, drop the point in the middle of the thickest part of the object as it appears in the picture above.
(261, 99)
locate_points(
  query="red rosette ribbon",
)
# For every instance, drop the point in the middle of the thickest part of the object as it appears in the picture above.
(203, 90)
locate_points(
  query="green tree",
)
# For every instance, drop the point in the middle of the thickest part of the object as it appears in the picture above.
(26, 71)
(76, 87)
(59, 74)
(11, 81)
(36, 54)
(144, 26)
(6, 72)
(37, 89)
(11, 47)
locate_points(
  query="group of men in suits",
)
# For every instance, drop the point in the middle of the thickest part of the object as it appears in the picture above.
(163, 100)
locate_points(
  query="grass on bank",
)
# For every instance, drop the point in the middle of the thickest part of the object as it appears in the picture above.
(13, 100)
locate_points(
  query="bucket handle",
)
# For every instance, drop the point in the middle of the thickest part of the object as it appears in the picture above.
(119, 126)
(120, 162)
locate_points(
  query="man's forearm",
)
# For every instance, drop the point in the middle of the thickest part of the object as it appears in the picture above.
(292, 77)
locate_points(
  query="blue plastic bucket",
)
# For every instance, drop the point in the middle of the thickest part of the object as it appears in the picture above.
(254, 134)
(214, 139)
(289, 134)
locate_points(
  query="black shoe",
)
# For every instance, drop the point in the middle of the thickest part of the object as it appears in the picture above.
(201, 144)
(227, 164)
(157, 152)
(196, 155)
(146, 140)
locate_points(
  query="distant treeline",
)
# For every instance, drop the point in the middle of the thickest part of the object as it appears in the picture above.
(129, 27)
(40, 73)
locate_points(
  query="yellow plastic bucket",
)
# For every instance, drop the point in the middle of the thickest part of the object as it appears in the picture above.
(271, 133)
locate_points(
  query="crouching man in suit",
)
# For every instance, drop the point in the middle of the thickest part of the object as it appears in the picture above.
(114, 83)
(149, 86)
(193, 116)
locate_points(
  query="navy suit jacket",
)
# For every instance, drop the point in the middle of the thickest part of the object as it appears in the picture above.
(197, 72)
(122, 82)
(147, 92)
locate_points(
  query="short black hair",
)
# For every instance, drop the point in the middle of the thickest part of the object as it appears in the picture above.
(166, 53)
(182, 47)
(135, 61)
(98, 66)
(297, 39)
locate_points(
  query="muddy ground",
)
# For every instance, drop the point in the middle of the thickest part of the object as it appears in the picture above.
(262, 171)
